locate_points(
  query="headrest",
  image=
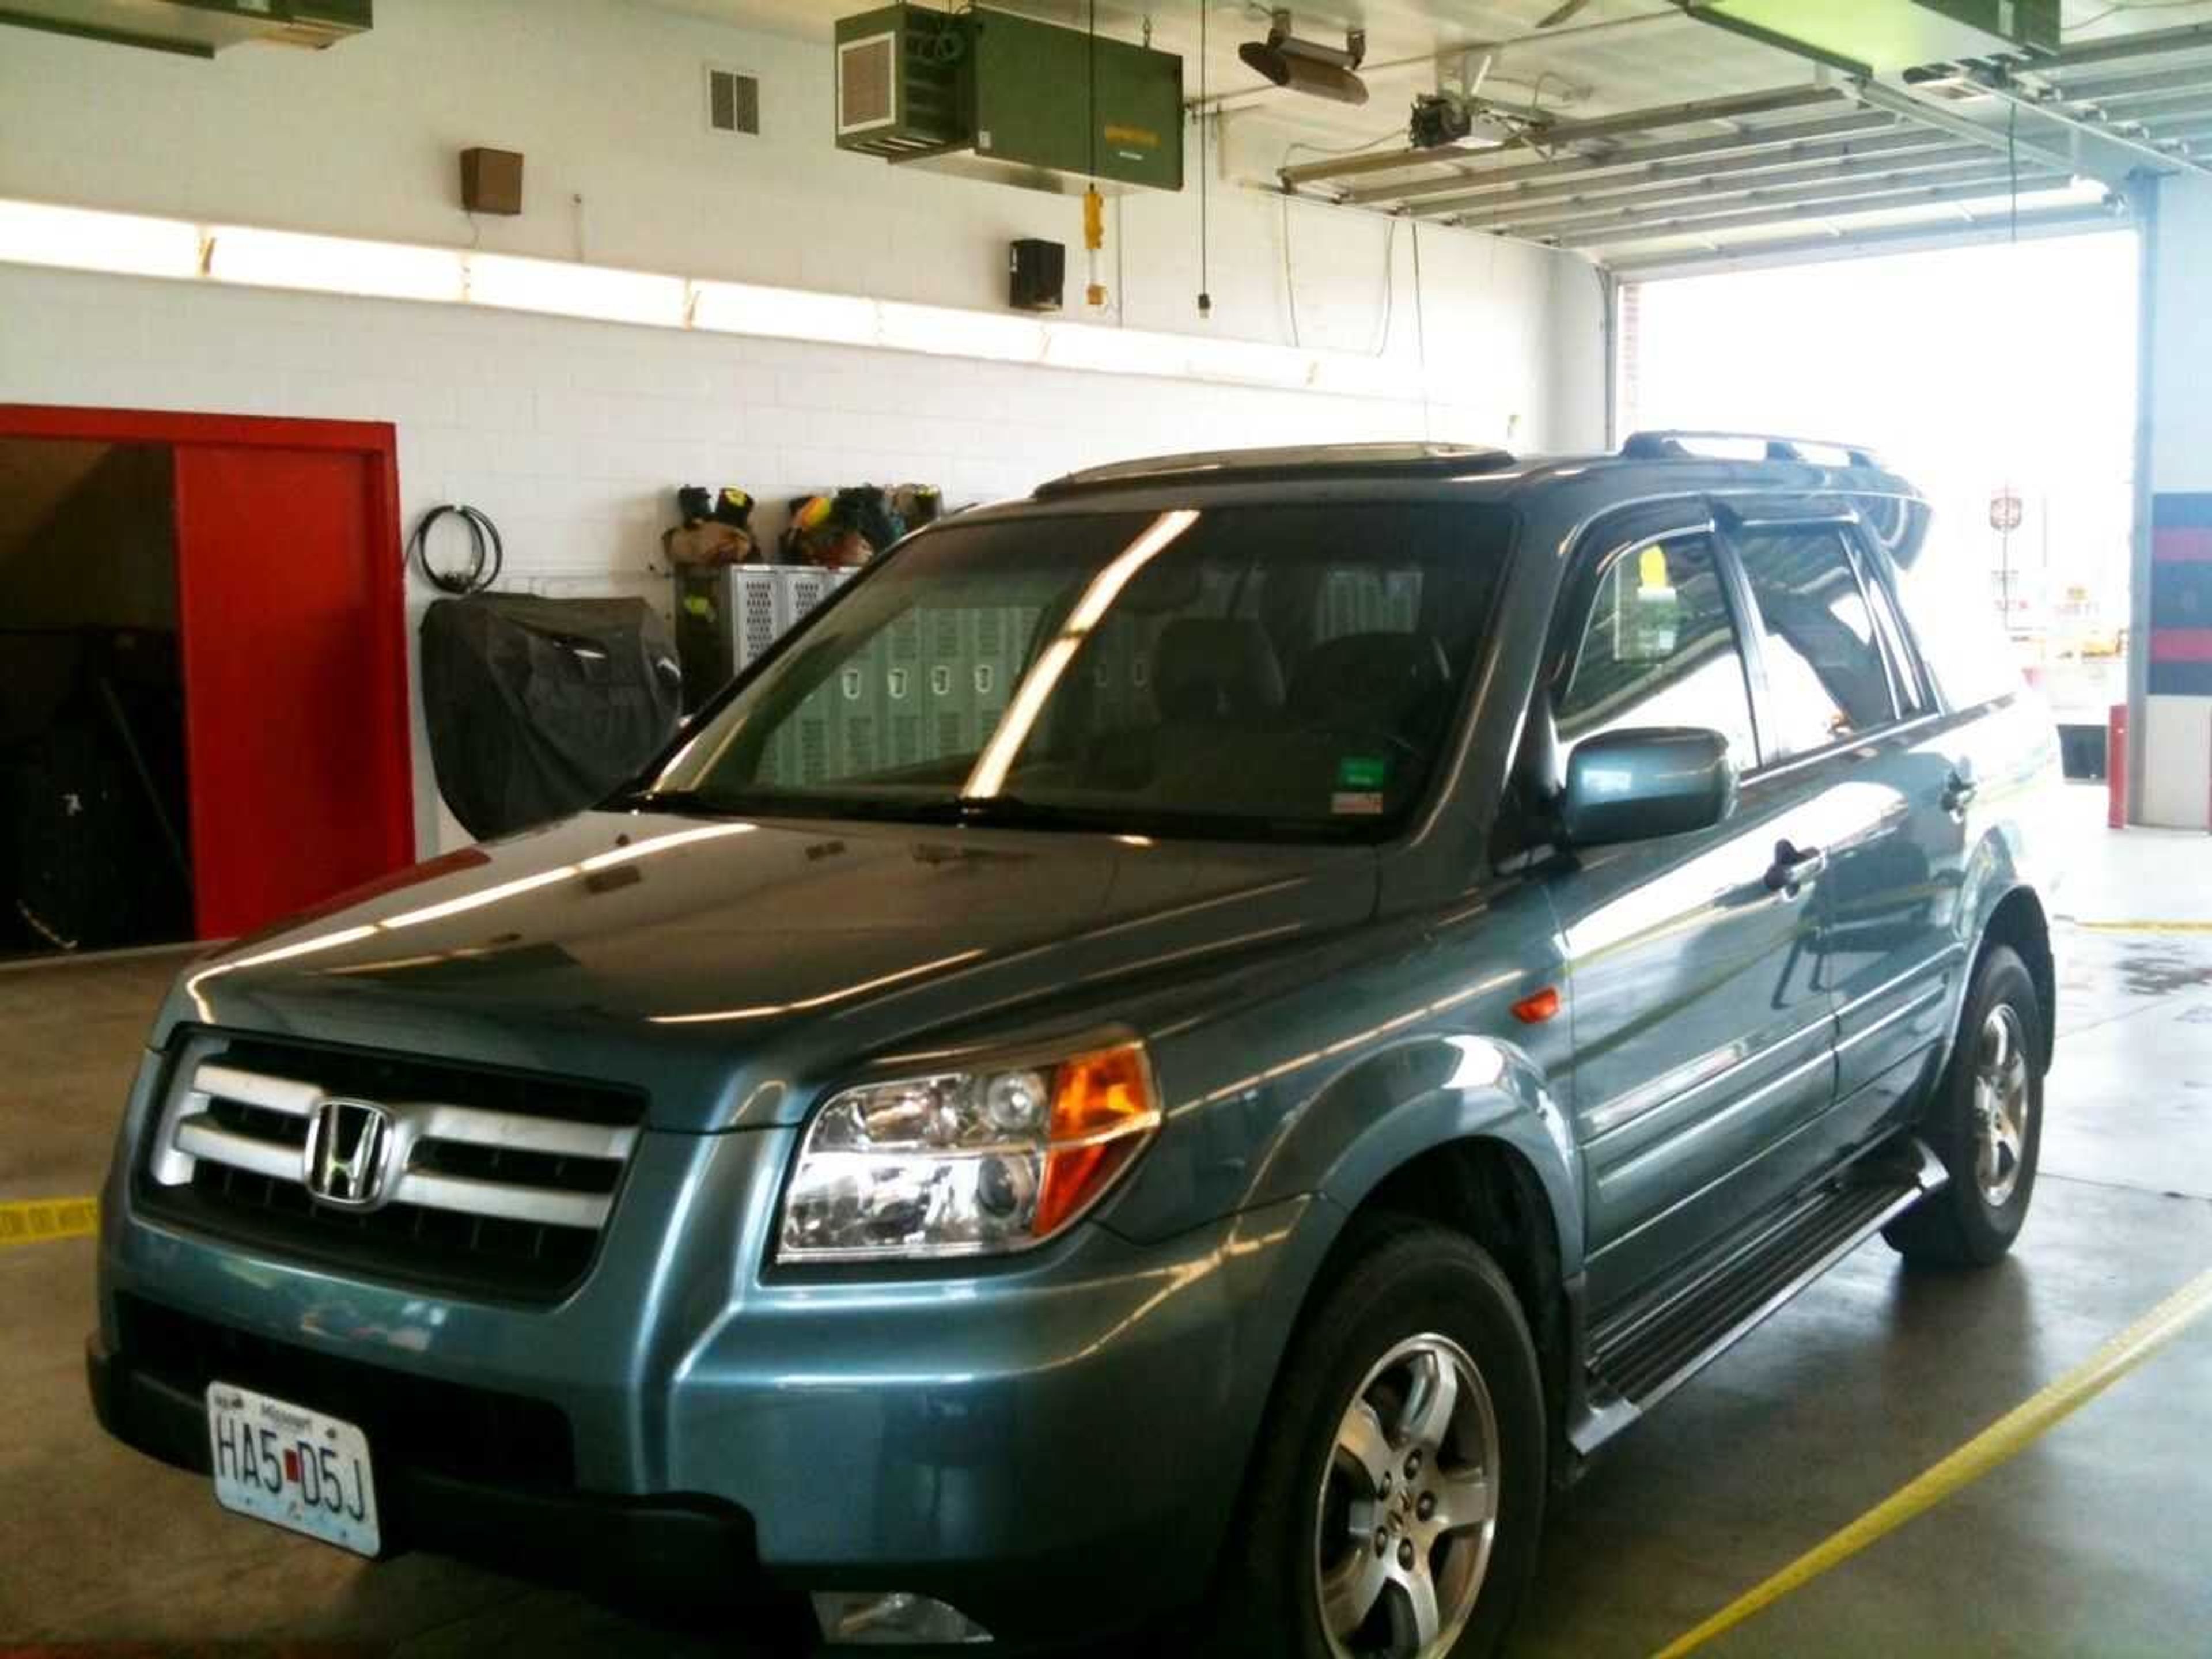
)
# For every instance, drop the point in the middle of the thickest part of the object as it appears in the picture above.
(1216, 668)
(1378, 677)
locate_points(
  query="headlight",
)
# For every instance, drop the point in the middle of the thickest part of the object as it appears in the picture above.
(967, 1163)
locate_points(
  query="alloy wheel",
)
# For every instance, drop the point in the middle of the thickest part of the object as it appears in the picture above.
(2003, 1101)
(1408, 1505)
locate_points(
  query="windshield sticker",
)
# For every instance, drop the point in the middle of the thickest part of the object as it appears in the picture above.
(1362, 772)
(1359, 802)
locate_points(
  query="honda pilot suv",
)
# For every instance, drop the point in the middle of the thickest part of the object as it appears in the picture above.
(1176, 1058)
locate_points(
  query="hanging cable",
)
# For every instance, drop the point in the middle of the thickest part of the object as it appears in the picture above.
(1205, 168)
(1421, 334)
(487, 554)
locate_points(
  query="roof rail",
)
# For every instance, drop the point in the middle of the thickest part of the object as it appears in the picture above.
(1665, 446)
(1363, 459)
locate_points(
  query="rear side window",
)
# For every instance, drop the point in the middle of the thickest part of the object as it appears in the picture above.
(1826, 678)
(1658, 648)
(1944, 585)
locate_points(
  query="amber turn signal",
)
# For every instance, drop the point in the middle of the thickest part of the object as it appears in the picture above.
(1103, 1109)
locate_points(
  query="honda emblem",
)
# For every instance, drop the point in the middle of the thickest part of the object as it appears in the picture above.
(348, 1147)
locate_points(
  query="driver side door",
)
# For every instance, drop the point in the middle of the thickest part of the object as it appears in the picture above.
(1702, 1034)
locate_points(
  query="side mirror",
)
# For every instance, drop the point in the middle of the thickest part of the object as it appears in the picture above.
(1639, 784)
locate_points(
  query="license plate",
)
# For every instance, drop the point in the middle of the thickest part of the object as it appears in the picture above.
(296, 1467)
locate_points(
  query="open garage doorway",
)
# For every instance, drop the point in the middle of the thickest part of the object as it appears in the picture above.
(2000, 378)
(201, 642)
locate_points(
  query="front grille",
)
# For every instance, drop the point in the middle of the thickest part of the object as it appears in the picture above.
(487, 1183)
(412, 1422)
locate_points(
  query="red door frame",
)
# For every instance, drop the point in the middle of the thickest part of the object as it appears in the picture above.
(376, 443)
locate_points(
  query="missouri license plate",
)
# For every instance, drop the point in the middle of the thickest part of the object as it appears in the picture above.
(292, 1466)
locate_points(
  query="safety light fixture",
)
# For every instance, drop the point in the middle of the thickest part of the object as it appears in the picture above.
(1307, 66)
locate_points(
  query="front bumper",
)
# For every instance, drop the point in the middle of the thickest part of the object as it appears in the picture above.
(1024, 1440)
(688, 1555)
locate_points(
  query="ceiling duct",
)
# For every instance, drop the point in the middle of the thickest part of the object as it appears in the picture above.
(195, 28)
(1307, 66)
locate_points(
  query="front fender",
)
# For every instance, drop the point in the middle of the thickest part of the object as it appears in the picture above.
(1492, 1091)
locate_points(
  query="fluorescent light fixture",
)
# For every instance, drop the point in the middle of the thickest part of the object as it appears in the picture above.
(335, 264)
(946, 332)
(81, 238)
(784, 314)
(567, 290)
(77, 239)
(1249, 361)
(1115, 350)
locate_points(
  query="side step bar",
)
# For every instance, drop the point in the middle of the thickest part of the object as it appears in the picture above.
(1645, 1351)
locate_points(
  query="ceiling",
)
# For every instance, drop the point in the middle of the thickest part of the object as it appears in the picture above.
(1819, 167)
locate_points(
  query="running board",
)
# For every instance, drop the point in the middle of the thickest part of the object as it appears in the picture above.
(1642, 1353)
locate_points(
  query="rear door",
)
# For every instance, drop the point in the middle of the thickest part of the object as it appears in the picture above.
(1703, 1038)
(1850, 727)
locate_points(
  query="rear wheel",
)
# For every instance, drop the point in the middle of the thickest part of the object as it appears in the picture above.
(1985, 1123)
(1397, 1489)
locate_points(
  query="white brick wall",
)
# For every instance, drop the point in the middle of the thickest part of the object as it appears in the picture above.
(574, 435)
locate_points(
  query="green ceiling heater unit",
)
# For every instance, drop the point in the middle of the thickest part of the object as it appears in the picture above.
(991, 95)
(1881, 37)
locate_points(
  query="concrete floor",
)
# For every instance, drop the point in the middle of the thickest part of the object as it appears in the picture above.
(2091, 1541)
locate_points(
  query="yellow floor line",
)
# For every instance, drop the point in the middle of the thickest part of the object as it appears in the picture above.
(2147, 926)
(2008, 1435)
(41, 1220)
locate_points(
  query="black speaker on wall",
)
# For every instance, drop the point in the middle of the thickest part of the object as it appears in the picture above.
(1037, 271)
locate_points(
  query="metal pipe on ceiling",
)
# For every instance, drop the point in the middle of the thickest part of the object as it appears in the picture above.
(2111, 87)
(1989, 185)
(1808, 182)
(1748, 141)
(2152, 44)
(1877, 94)
(2042, 221)
(1570, 132)
(2091, 125)
(1771, 167)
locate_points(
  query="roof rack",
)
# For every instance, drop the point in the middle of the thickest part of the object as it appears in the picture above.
(1671, 445)
(1356, 460)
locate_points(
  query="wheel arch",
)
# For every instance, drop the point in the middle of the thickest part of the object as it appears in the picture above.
(2017, 919)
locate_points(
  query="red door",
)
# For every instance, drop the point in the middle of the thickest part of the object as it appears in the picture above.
(294, 677)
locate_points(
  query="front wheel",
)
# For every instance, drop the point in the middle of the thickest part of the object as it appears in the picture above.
(1397, 1491)
(1985, 1122)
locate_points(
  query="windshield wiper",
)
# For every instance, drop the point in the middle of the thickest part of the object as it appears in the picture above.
(997, 810)
(690, 802)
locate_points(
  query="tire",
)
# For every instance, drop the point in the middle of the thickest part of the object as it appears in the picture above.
(1973, 1220)
(1418, 1302)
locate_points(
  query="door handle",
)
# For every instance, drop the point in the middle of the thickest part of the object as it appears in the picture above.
(1960, 787)
(1793, 868)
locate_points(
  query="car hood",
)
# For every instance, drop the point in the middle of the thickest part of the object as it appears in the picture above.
(731, 967)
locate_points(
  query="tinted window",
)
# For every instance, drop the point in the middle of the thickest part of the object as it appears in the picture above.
(1659, 648)
(1825, 676)
(1282, 669)
(1945, 585)
(1912, 697)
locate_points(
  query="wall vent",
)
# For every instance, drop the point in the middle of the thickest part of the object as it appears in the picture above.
(733, 100)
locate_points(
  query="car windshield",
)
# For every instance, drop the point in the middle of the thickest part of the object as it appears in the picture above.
(1279, 670)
